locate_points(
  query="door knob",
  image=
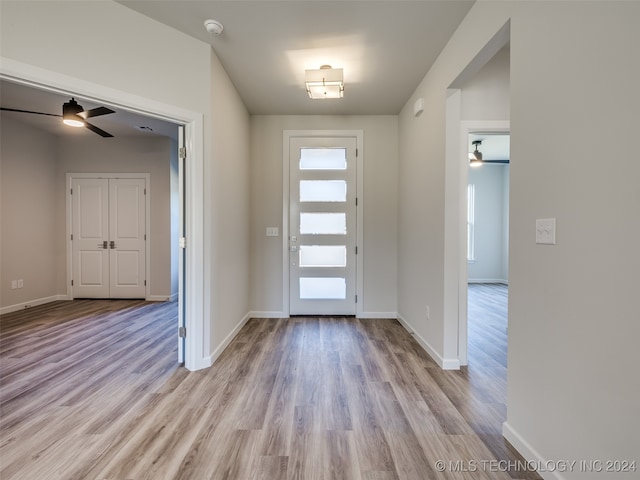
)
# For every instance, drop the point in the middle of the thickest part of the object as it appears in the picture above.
(112, 244)
(103, 245)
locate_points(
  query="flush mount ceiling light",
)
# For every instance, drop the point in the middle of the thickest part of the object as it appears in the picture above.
(213, 26)
(476, 157)
(324, 83)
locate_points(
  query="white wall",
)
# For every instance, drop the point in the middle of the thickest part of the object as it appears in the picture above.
(485, 96)
(227, 210)
(573, 388)
(120, 49)
(380, 206)
(491, 225)
(27, 214)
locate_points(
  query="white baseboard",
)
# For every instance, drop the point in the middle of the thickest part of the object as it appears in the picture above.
(31, 303)
(161, 298)
(444, 363)
(225, 343)
(488, 280)
(383, 315)
(264, 314)
(529, 453)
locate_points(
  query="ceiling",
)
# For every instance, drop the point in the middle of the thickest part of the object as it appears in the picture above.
(385, 48)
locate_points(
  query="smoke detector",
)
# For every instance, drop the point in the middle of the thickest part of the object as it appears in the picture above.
(213, 26)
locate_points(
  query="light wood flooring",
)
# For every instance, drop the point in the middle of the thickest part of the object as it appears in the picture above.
(91, 390)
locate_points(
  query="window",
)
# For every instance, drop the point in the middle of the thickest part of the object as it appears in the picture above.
(323, 223)
(471, 194)
(323, 191)
(323, 159)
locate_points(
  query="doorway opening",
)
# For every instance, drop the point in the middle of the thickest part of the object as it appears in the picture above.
(487, 245)
(191, 289)
(477, 93)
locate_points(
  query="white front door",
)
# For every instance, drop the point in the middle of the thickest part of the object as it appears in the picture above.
(322, 226)
(109, 237)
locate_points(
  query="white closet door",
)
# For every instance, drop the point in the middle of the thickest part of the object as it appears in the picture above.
(127, 238)
(109, 237)
(90, 241)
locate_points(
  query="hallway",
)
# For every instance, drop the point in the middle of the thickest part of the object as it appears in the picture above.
(91, 389)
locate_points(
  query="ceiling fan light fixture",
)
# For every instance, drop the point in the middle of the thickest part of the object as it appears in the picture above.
(70, 114)
(74, 121)
(475, 157)
(324, 83)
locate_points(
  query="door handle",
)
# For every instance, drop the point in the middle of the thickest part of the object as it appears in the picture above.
(112, 244)
(103, 245)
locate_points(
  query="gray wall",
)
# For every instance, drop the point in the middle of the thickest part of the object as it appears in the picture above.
(28, 217)
(491, 223)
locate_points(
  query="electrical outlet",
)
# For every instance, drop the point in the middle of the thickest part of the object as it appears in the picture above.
(428, 312)
(14, 284)
(20, 283)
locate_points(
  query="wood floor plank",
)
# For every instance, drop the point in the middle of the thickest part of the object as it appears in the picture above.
(280, 411)
(91, 389)
(270, 467)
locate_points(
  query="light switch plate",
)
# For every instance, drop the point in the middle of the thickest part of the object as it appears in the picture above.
(272, 231)
(546, 231)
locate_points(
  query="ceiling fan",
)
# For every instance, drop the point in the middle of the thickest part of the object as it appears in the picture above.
(475, 157)
(74, 115)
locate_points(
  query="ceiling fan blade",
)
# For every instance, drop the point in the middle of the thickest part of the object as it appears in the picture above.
(97, 130)
(506, 162)
(29, 111)
(95, 112)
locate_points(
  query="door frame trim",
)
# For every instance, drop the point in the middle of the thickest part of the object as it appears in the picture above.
(147, 224)
(286, 137)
